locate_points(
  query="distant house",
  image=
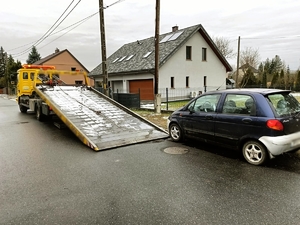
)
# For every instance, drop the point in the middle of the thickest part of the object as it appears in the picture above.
(230, 83)
(64, 60)
(189, 61)
(245, 67)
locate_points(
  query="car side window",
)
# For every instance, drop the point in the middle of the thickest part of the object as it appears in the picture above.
(205, 103)
(239, 104)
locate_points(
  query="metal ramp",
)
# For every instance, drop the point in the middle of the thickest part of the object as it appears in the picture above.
(98, 121)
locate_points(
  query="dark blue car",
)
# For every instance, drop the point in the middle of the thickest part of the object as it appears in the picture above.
(262, 123)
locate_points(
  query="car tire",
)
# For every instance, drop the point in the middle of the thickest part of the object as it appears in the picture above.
(175, 132)
(255, 153)
(23, 108)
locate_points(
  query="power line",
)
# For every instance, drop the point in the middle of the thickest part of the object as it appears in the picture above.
(48, 33)
(43, 37)
(60, 22)
(78, 24)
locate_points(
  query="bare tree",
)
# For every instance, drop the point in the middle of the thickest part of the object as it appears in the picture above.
(223, 45)
(250, 57)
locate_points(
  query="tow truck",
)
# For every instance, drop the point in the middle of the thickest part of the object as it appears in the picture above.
(97, 120)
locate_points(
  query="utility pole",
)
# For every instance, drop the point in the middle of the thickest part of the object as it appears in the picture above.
(238, 64)
(156, 72)
(103, 49)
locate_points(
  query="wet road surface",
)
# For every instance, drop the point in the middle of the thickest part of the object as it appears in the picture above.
(47, 176)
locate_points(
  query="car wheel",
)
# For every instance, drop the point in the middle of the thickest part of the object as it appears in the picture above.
(255, 153)
(175, 132)
(23, 108)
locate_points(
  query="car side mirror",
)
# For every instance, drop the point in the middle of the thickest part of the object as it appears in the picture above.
(192, 110)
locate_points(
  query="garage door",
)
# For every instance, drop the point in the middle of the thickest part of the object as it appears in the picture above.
(145, 86)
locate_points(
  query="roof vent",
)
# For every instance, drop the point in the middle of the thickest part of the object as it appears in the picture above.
(56, 50)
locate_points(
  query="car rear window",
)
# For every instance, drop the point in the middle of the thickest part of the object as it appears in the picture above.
(284, 104)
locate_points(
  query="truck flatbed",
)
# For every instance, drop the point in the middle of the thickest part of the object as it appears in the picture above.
(98, 121)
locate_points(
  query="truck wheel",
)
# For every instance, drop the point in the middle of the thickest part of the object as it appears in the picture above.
(23, 108)
(38, 113)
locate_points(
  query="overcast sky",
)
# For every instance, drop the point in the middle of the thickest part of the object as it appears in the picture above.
(271, 26)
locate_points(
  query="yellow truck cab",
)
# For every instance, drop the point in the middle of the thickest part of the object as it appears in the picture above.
(31, 79)
(28, 77)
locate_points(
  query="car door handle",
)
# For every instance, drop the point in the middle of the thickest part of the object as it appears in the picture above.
(247, 120)
(209, 117)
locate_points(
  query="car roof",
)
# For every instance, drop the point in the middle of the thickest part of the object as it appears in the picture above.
(263, 91)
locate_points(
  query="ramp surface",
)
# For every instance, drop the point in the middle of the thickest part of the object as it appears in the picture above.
(96, 120)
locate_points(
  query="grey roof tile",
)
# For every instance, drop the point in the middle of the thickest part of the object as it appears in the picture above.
(139, 48)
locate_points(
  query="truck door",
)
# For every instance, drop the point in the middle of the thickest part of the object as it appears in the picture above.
(24, 83)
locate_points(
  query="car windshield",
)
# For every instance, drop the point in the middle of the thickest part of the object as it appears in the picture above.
(284, 104)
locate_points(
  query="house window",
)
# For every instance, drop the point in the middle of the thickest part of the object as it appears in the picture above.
(78, 82)
(172, 82)
(204, 54)
(189, 52)
(187, 81)
(73, 68)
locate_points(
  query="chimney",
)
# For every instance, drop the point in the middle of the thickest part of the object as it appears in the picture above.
(56, 50)
(175, 28)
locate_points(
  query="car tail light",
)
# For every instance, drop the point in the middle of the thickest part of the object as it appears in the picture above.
(274, 125)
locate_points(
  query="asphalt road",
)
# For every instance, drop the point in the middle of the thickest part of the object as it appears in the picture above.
(47, 176)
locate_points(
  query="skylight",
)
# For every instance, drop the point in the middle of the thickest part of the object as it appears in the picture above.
(129, 57)
(121, 59)
(116, 60)
(171, 37)
(175, 36)
(166, 38)
(147, 54)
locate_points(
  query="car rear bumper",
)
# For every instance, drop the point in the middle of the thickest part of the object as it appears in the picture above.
(280, 144)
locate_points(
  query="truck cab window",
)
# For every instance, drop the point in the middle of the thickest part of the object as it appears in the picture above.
(32, 76)
(25, 76)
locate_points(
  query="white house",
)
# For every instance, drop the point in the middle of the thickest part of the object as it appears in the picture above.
(189, 62)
